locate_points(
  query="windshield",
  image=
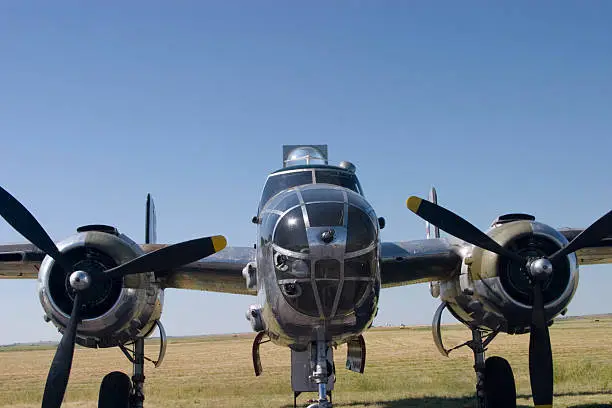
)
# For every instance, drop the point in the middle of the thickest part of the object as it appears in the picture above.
(282, 181)
(279, 182)
(339, 178)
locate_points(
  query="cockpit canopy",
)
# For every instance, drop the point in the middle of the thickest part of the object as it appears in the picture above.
(311, 174)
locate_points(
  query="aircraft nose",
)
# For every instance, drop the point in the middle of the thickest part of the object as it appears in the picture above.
(324, 250)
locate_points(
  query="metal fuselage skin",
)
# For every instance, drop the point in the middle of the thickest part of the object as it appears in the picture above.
(318, 252)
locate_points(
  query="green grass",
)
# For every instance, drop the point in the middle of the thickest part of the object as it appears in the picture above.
(403, 369)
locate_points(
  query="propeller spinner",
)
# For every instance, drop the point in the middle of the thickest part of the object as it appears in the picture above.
(539, 269)
(162, 259)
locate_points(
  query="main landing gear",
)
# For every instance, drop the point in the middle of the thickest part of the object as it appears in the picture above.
(117, 389)
(495, 386)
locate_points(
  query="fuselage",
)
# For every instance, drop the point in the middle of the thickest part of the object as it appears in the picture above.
(318, 254)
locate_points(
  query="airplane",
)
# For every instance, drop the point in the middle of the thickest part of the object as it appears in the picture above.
(316, 270)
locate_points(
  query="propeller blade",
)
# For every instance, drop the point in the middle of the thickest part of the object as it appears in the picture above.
(457, 226)
(24, 222)
(171, 256)
(57, 380)
(597, 231)
(540, 353)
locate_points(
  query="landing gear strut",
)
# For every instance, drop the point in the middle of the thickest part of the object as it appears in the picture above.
(117, 390)
(495, 385)
(137, 397)
(320, 376)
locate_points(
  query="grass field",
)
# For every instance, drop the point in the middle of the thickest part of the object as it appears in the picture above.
(403, 369)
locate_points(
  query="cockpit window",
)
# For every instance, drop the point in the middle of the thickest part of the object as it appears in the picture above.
(279, 182)
(339, 178)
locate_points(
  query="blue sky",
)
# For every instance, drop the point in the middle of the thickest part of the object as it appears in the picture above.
(503, 107)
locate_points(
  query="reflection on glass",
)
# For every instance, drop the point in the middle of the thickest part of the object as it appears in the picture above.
(327, 269)
(305, 302)
(338, 178)
(360, 266)
(267, 226)
(325, 214)
(290, 268)
(327, 293)
(360, 232)
(322, 194)
(279, 182)
(291, 232)
(352, 293)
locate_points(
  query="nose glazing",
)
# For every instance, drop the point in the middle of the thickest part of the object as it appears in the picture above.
(324, 250)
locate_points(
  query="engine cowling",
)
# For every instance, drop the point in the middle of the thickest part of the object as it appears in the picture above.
(115, 315)
(494, 292)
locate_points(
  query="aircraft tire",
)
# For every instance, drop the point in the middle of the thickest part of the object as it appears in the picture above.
(115, 391)
(500, 388)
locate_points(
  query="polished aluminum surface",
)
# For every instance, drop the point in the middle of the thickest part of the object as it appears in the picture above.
(481, 300)
(541, 268)
(281, 272)
(298, 297)
(80, 280)
(134, 312)
(437, 332)
(417, 261)
(163, 344)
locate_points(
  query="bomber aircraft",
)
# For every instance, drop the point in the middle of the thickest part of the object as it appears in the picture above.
(317, 270)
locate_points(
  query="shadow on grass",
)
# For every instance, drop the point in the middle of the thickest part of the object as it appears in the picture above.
(441, 402)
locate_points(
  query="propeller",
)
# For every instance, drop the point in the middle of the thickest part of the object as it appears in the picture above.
(164, 258)
(540, 350)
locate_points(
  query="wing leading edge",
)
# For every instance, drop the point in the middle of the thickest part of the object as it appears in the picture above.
(600, 253)
(221, 272)
(410, 262)
(20, 261)
(402, 263)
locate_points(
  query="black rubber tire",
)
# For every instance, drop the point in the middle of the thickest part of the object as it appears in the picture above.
(115, 391)
(500, 389)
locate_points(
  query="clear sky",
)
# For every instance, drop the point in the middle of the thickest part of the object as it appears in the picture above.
(504, 107)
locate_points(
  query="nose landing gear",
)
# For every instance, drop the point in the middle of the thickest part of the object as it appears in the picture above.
(320, 376)
(312, 370)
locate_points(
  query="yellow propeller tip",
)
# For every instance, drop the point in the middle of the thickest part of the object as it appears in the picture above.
(219, 242)
(413, 203)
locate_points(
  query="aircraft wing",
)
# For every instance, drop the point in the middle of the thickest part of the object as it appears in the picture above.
(220, 272)
(20, 261)
(600, 253)
(409, 262)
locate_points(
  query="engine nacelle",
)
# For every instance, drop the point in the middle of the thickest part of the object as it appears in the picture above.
(494, 292)
(115, 315)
